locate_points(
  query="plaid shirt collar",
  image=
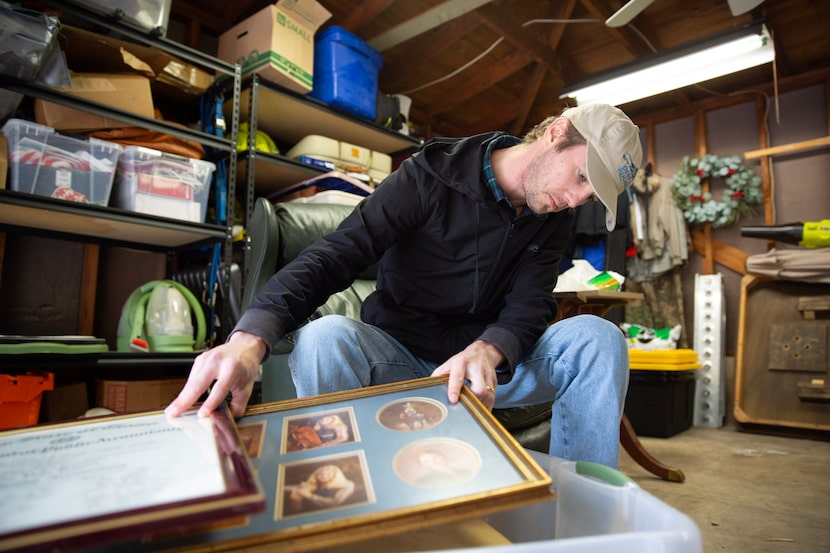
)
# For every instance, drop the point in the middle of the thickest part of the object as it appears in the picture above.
(502, 141)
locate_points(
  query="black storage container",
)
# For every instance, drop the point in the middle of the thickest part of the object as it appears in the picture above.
(660, 403)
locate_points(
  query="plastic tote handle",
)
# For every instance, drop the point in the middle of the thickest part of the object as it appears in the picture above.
(606, 474)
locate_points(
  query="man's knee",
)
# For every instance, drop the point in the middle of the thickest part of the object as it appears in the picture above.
(586, 330)
(329, 329)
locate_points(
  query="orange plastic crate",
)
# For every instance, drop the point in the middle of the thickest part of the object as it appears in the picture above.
(20, 398)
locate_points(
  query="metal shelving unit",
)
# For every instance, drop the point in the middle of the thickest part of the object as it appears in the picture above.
(22, 212)
(288, 117)
(39, 215)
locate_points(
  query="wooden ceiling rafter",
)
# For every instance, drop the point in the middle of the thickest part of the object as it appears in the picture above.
(501, 21)
(628, 38)
(565, 14)
(210, 22)
(513, 62)
(369, 9)
(527, 50)
(399, 64)
(521, 78)
(534, 83)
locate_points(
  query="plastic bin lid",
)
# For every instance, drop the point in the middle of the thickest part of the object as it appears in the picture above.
(663, 360)
(25, 387)
(335, 32)
(13, 344)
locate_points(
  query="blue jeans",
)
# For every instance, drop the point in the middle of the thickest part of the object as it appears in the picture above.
(581, 363)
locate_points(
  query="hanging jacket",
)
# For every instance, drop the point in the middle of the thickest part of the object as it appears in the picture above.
(453, 264)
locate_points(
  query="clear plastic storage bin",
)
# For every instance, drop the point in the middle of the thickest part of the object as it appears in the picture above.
(596, 509)
(147, 15)
(46, 163)
(167, 185)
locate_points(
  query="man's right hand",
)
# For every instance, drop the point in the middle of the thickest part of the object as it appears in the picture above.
(229, 368)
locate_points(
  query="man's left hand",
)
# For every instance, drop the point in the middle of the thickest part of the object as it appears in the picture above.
(475, 364)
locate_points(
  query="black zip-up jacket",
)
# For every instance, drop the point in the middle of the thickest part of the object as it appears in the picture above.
(453, 264)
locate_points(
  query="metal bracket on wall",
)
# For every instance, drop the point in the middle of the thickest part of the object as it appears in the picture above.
(709, 329)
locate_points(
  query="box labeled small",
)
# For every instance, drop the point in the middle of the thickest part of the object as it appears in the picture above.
(277, 43)
(157, 183)
(46, 163)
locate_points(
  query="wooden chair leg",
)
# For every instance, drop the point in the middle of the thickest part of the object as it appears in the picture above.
(632, 445)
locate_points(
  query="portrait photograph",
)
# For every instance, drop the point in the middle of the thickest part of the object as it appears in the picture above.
(323, 429)
(412, 414)
(251, 435)
(437, 463)
(323, 484)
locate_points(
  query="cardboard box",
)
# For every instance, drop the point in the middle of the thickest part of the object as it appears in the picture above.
(129, 396)
(88, 52)
(277, 43)
(125, 91)
(67, 401)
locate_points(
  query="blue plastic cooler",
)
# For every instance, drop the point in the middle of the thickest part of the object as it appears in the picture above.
(346, 72)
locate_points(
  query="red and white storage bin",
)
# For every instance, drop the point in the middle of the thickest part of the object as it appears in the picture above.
(46, 163)
(157, 183)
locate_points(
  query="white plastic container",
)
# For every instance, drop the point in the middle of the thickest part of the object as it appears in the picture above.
(46, 163)
(157, 183)
(596, 509)
(349, 158)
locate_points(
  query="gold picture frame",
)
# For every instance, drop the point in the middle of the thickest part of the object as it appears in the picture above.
(353, 465)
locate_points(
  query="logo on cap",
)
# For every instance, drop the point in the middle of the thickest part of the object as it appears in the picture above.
(627, 171)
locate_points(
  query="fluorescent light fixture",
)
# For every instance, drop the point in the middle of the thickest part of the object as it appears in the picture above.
(689, 64)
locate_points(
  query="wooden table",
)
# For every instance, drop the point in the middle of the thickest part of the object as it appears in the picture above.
(599, 302)
(595, 302)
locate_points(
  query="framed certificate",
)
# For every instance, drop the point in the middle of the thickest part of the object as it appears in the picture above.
(106, 479)
(365, 463)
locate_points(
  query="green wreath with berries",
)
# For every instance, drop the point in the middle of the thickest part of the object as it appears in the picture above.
(743, 190)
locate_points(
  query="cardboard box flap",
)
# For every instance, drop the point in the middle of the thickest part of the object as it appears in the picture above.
(309, 12)
(89, 52)
(126, 91)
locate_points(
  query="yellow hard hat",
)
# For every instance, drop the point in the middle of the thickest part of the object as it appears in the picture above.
(263, 141)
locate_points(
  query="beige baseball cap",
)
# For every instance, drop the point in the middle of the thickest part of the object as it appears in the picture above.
(614, 152)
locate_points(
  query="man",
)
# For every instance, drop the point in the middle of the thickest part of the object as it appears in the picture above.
(469, 234)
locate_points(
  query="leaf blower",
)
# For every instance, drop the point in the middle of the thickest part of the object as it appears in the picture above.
(810, 235)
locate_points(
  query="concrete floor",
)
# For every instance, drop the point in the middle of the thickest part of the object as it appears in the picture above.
(747, 492)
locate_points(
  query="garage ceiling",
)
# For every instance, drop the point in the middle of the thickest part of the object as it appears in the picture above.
(500, 64)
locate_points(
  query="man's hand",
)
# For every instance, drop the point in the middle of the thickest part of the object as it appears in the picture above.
(476, 364)
(233, 366)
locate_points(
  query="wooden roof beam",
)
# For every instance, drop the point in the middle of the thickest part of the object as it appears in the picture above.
(503, 23)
